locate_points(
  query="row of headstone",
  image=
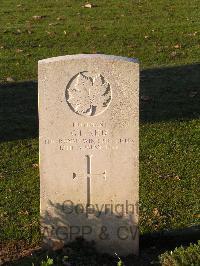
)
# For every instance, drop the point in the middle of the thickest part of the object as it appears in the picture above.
(88, 115)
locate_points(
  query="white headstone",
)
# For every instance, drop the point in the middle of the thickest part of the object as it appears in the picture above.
(88, 115)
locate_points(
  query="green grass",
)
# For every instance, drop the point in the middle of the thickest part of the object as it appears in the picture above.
(148, 30)
(169, 175)
(165, 36)
(182, 256)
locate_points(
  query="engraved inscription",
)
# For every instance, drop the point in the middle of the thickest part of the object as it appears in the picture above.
(89, 137)
(88, 95)
(89, 175)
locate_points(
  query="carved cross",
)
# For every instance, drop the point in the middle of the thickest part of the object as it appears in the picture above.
(88, 177)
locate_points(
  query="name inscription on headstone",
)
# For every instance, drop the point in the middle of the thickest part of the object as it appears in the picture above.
(88, 137)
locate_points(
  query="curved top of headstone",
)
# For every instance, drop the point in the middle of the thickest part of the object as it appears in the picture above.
(88, 56)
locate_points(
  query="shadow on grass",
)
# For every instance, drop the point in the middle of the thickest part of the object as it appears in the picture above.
(170, 93)
(65, 226)
(166, 94)
(151, 247)
(61, 225)
(60, 221)
(18, 111)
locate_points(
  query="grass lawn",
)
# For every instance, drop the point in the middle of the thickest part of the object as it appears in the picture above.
(165, 36)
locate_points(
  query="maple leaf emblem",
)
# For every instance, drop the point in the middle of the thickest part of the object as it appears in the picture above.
(88, 96)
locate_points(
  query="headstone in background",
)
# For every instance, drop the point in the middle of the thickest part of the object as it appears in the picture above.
(88, 115)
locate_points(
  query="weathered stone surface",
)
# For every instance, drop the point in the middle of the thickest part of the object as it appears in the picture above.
(88, 113)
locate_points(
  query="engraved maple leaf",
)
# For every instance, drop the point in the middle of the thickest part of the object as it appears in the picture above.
(89, 96)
